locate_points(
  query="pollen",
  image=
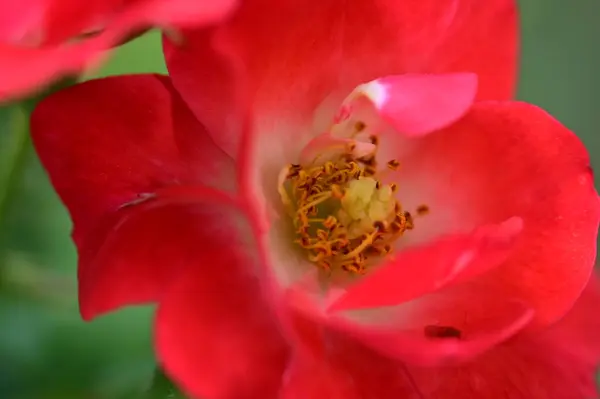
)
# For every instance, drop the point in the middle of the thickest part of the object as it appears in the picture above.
(344, 216)
(422, 210)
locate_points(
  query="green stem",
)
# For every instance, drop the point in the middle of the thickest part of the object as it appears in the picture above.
(14, 157)
(20, 144)
(162, 388)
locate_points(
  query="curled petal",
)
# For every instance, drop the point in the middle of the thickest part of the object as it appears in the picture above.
(435, 329)
(498, 161)
(418, 347)
(418, 271)
(560, 362)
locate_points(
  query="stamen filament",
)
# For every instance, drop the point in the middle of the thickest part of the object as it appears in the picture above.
(363, 245)
(320, 198)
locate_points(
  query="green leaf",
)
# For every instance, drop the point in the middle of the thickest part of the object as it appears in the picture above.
(162, 388)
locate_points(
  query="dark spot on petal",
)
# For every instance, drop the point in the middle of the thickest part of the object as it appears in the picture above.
(442, 332)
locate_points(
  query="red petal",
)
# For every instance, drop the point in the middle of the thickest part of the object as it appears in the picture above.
(558, 363)
(524, 371)
(33, 42)
(417, 331)
(503, 160)
(108, 141)
(293, 66)
(196, 64)
(425, 269)
(133, 254)
(418, 104)
(216, 335)
(177, 13)
(120, 141)
(18, 20)
(337, 366)
(578, 333)
(34, 22)
(165, 14)
(313, 378)
(24, 70)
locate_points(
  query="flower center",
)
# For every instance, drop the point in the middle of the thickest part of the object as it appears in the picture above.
(343, 215)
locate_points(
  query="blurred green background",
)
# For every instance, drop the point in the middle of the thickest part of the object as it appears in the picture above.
(47, 352)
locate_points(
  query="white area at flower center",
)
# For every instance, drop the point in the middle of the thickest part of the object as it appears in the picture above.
(422, 179)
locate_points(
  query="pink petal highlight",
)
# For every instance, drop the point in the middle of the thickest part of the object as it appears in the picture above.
(419, 104)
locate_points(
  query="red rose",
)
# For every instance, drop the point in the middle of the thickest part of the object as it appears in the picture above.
(41, 40)
(337, 202)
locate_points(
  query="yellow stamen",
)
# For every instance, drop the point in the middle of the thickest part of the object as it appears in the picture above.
(344, 216)
(361, 247)
(315, 200)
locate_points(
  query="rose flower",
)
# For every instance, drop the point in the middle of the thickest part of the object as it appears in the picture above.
(337, 201)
